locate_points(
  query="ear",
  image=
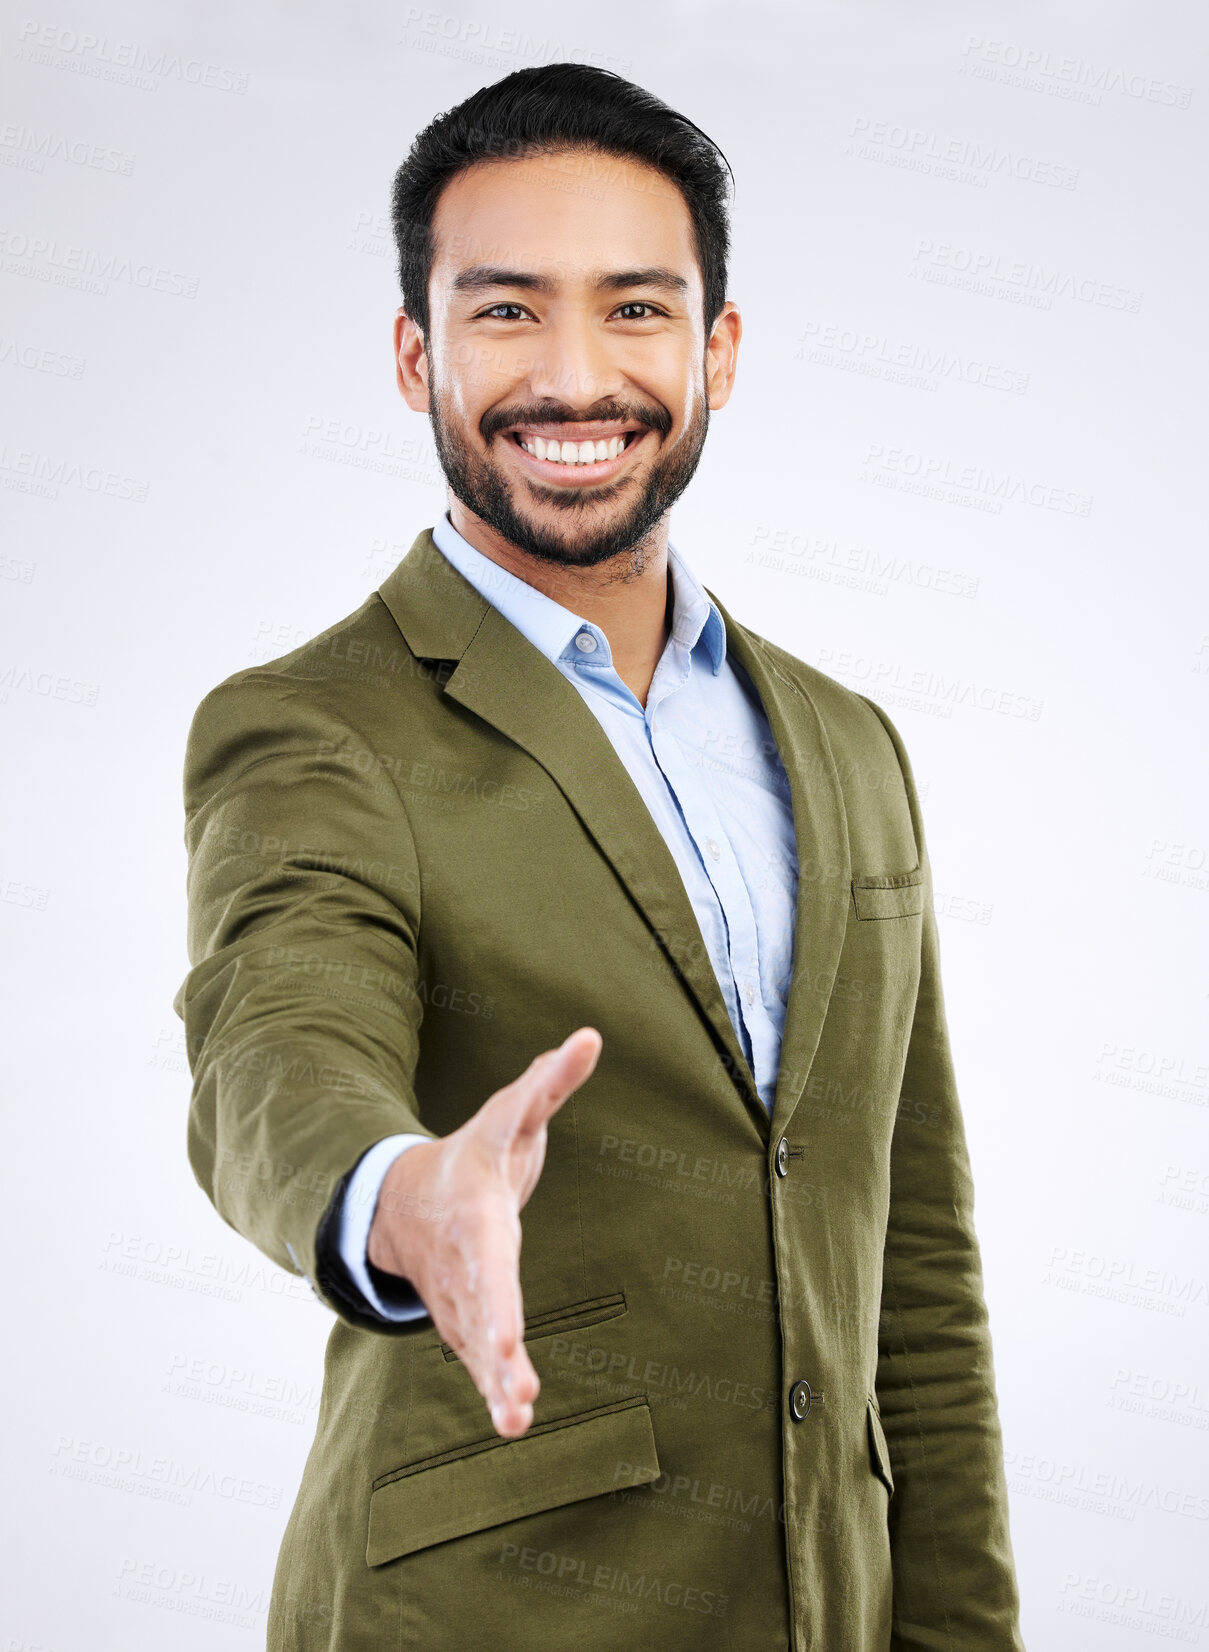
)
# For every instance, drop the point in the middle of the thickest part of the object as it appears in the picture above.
(411, 362)
(721, 355)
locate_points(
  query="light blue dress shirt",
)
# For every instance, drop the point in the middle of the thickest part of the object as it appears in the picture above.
(703, 757)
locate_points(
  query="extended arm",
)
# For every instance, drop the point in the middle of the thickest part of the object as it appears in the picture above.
(301, 1011)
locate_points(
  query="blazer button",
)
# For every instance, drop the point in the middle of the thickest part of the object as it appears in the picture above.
(782, 1160)
(801, 1398)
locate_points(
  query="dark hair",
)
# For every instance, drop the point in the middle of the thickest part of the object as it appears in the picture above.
(540, 111)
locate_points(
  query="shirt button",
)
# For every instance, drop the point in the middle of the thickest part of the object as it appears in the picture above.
(749, 992)
(585, 642)
(712, 849)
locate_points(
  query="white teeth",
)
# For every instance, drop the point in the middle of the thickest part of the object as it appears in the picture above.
(576, 453)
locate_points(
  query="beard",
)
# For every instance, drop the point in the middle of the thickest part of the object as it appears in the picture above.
(600, 523)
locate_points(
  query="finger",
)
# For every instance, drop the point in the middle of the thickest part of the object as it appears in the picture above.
(578, 1054)
(563, 1067)
(517, 1386)
(512, 1411)
(493, 1314)
(559, 1076)
(515, 1382)
(533, 1098)
(509, 1389)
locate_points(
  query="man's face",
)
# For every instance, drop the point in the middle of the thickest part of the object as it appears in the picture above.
(565, 308)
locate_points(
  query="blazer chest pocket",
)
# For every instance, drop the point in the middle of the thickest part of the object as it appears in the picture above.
(888, 894)
(495, 1480)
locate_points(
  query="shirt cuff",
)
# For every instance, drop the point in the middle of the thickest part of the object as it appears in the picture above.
(356, 1219)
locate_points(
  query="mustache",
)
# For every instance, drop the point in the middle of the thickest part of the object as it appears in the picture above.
(652, 418)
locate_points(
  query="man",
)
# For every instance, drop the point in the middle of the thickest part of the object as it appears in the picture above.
(541, 884)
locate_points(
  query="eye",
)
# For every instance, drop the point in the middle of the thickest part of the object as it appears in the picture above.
(493, 311)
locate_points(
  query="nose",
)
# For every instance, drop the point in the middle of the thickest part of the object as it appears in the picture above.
(572, 364)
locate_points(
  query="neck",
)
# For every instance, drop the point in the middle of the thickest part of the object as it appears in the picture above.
(629, 597)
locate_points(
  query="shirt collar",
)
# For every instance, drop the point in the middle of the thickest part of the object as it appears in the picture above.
(552, 629)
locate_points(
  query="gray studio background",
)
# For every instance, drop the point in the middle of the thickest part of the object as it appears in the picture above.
(962, 470)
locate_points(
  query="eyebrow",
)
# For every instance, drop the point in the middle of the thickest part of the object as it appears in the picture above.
(480, 276)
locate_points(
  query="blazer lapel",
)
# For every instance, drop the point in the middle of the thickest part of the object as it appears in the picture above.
(502, 678)
(824, 869)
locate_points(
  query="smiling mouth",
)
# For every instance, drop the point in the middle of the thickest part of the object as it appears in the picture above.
(575, 462)
(575, 453)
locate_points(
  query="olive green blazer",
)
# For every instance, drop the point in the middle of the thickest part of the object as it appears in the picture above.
(768, 1415)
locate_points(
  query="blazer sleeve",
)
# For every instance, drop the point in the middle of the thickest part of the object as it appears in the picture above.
(301, 1008)
(954, 1574)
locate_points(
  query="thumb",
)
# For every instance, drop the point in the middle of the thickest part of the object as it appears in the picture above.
(550, 1079)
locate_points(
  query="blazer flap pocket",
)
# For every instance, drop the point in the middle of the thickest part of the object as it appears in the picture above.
(497, 1479)
(879, 1450)
(889, 894)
